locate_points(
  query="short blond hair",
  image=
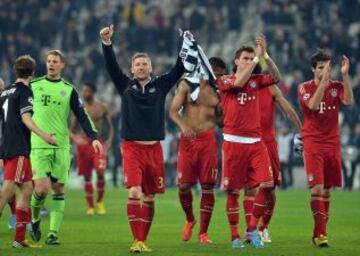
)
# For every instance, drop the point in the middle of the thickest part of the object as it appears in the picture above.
(56, 52)
(140, 55)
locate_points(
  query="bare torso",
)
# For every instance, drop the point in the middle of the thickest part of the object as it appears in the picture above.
(200, 115)
(96, 111)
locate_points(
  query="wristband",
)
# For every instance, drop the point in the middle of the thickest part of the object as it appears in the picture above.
(256, 60)
(266, 56)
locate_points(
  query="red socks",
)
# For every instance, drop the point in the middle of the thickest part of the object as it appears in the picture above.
(147, 214)
(265, 220)
(232, 209)
(186, 199)
(134, 217)
(100, 186)
(248, 204)
(23, 217)
(89, 194)
(260, 206)
(206, 209)
(318, 209)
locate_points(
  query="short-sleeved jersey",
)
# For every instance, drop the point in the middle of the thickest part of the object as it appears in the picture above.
(14, 135)
(241, 105)
(53, 100)
(321, 126)
(267, 115)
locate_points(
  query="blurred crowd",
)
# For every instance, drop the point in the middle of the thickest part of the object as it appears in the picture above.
(294, 29)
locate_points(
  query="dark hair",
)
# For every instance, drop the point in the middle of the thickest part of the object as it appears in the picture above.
(319, 55)
(217, 62)
(91, 85)
(57, 53)
(24, 66)
(244, 48)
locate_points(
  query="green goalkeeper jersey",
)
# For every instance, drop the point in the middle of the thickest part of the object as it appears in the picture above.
(53, 100)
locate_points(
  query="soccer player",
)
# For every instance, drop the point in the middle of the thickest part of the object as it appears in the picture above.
(245, 159)
(16, 111)
(197, 156)
(12, 201)
(269, 98)
(142, 124)
(320, 100)
(54, 97)
(87, 159)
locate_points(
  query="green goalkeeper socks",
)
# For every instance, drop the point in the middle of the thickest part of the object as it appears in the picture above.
(57, 212)
(37, 202)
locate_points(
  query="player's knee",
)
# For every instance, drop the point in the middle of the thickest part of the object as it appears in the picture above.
(207, 186)
(250, 192)
(100, 176)
(58, 188)
(87, 178)
(185, 187)
(317, 189)
(149, 198)
(134, 192)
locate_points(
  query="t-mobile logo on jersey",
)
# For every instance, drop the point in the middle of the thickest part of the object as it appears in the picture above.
(323, 107)
(45, 99)
(242, 97)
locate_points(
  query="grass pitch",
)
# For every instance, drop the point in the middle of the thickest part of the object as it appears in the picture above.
(291, 228)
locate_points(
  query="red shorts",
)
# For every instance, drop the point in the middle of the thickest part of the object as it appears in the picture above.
(18, 169)
(273, 152)
(245, 165)
(197, 159)
(323, 167)
(87, 159)
(143, 165)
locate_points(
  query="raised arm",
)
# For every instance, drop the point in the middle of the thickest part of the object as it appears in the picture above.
(348, 92)
(274, 71)
(170, 79)
(109, 128)
(315, 100)
(176, 105)
(286, 107)
(112, 66)
(243, 76)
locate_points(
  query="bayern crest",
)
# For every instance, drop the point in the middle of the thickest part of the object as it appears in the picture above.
(334, 93)
(252, 84)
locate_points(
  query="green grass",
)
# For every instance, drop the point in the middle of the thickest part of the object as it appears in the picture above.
(291, 228)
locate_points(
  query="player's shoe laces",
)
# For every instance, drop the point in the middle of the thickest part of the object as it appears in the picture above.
(135, 247)
(320, 241)
(52, 239)
(247, 237)
(237, 244)
(90, 211)
(25, 244)
(187, 231)
(34, 231)
(144, 247)
(265, 236)
(204, 239)
(100, 208)
(12, 222)
(255, 239)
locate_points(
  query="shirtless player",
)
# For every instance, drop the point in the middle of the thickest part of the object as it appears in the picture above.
(197, 159)
(87, 159)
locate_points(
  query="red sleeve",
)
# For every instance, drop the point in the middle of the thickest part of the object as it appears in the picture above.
(303, 96)
(264, 81)
(226, 83)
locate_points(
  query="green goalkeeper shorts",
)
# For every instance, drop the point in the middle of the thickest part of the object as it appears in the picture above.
(53, 163)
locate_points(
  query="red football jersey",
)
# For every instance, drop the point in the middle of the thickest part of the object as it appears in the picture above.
(267, 115)
(241, 105)
(321, 126)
